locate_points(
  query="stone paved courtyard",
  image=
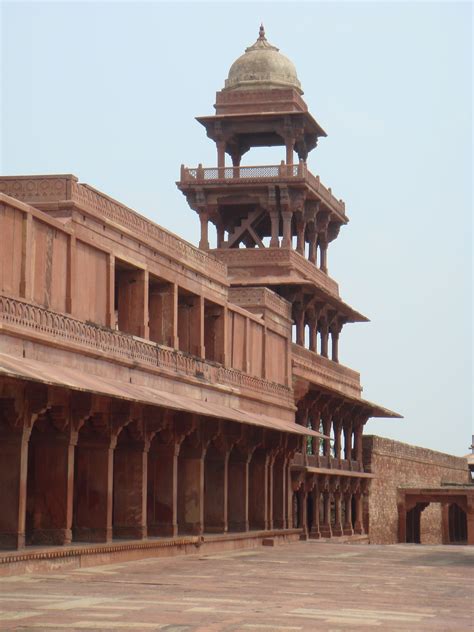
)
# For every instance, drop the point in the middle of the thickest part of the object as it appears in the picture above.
(302, 586)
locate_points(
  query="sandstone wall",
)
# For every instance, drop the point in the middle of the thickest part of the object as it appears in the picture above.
(397, 464)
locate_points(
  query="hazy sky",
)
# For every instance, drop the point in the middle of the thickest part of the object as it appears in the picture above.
(109, 91)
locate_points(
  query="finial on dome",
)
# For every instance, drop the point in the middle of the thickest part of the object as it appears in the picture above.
(261, 32)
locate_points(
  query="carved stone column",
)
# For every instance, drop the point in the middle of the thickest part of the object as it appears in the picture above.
(313, 329)
(50, 477)
(191, 484)
(316, 495)
(286, 241)
(337, 426)
(312, 249)
(258, 490)
(130, 482)
(325, 526)
(204, 220)
(238, 494)
(162, 486)
(216, 485)
(348, 530)
(303, 510)
(323, 249)
(220, 231)
(324, 330)
(337, 527)
(348, 440)
(19, 406)
(299, 316)
(335, 331)
(279, 492)
(300, 228)
(358, 523)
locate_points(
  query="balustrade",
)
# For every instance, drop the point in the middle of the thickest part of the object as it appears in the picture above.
(126, 347)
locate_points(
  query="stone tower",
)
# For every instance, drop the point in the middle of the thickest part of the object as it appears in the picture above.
(274, 224)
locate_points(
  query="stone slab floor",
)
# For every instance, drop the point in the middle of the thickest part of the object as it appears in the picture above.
(302, 586)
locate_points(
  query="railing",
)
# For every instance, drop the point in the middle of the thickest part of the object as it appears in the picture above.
(282, 171)
(164, 240)
(323, 371)
(126, 347)
(326, 462)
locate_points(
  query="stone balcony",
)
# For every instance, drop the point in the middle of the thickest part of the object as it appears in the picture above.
(319, 370)
(273, 266)
(322, 462)
(266, 175)
(28, 321)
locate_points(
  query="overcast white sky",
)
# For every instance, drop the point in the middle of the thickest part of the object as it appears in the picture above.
(108, 91)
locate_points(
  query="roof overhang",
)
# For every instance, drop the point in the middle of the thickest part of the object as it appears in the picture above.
(34, 370)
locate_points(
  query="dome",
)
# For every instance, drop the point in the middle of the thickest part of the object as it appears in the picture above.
(262, 66)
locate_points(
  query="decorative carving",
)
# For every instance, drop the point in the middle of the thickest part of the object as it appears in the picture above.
(126, 347)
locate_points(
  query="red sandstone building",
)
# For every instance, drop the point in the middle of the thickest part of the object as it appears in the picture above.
(149, 388)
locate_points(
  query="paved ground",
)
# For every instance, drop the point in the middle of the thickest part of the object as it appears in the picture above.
(303, 586)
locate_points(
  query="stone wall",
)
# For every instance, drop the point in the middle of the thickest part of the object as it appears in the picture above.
(397, 464)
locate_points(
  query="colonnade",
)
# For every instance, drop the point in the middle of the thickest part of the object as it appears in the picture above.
(75, 467)
(319, 325)
(325, 506)
(343, 425)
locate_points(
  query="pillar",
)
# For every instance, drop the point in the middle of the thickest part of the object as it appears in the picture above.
(204, 241)
(221, 155)
(324, 329)
(275, 227)
(313, 334)
(238, 491)
(270, 470)
(327, 431)
(358, 524)
(130, 488)
(133, 302)
(50, 484)
(358, 430)
(220, 234)
(312, 246)
(470, 520)
(337, 527)
(289, 144)
(93, 488)
(323, 249)
(191, 486)
(286, 241)
(315, 532)
(279, 493)
(215, 490)
(347, 527)
(303, 511)
(258, 490)
(337, 441)
(163, 314)
(300, 323)
(335, 345)
(348, 441)
(13, 476)
(325, 526)
(162, 507)
(300, 226)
